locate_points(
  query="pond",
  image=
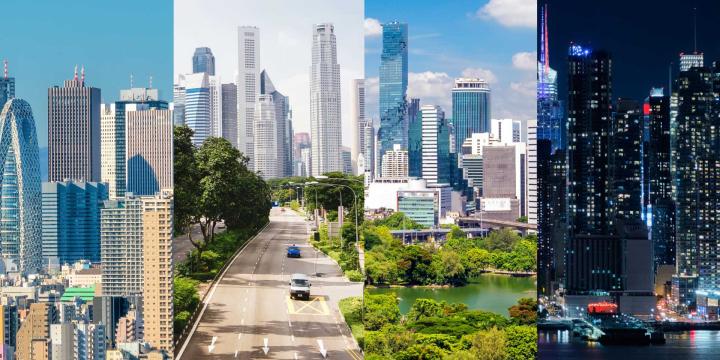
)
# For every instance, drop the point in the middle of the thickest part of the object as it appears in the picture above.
(488, 292)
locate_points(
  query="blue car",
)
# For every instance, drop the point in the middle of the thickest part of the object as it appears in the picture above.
(293, 251)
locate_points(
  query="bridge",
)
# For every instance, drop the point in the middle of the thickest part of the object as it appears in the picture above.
(472, 221)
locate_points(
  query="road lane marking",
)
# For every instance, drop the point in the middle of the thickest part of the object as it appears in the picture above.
(236, 353)
(353, 354)
(316, 306)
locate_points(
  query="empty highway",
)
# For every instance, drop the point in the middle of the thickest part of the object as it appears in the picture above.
(249, 315)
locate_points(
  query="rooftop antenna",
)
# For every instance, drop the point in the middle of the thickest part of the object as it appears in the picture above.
(150, 86)
(75, 77)
(5, 68)
(131, 81)
(670, 78)
(82, 75)
(695, 30)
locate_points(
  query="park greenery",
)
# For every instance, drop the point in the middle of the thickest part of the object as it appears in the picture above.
(388, 261)
(438, 330)
(213, 186)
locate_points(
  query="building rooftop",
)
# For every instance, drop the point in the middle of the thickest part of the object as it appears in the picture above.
(84, 293)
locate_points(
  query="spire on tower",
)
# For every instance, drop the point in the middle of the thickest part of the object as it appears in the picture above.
(695, 30)
(82, 76)
(75, 77)
(5, 68)
(131, 81)
(150, 86)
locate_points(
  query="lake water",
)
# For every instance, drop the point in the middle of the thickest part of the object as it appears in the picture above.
(489, 292)
(700, 345)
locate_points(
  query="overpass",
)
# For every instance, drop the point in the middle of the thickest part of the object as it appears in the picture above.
(471, 222)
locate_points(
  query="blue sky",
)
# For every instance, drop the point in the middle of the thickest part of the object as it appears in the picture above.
(43, 40)
(491, 39)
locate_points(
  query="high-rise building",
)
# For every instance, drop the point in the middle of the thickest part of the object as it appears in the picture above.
(33, 337)
(549, 108)
(149, 155)
(121, 244)
(325, 112)
(248, 87)
(435, 145)
(21, 199)
(357, 119)
(7, 86)
(71, 221)
(216, 116)
(471, 109)
(266, 139)
(626, 160)
(62, 341)
(74, 131)
(283, 126)
(696, 184)
(660, 183)
(179, 101)
(203, 61)
(532, 172)
(229, 113)
(393, 88)
(414, 139)
(197, 106)
(367, 147)
(113, 125)
(395, 163)
(158, 271)
(694, 59)
(346, 160)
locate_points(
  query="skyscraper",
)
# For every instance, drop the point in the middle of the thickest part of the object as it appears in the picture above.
(149, 156)
(266, 144)
(203, 61)
(696, 184)
(395, 163)
(248, 87)
(357, 121)
(414, 139)
(121, 244)
(549, 108)
(33, 338)
(113, 145)
(435, 145)
(283, 125)
(393, 87)
(74, 131)
(367, 146)
(626, 160)
(158, 271)
(21, 199)
(71, 221)
(216, 117)
(660, 189)
(229, 113)
(471, 109)
(325, 112)
(197, 106)
(532, 172)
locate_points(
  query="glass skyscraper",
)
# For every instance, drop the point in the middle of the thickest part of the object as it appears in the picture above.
(471, 109)
(204, 61)
(393, 88)
(20, 196)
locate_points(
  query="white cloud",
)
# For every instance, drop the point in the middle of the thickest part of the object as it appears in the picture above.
(484, 74)
(511, 13)
(372, 27)
(525, 61)
(528, 88)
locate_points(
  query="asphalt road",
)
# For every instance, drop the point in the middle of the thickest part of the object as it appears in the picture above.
(250, 308)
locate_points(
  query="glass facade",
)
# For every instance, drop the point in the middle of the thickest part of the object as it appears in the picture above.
(420, 206)
(393, 88)
(470, 108)
(204, 61)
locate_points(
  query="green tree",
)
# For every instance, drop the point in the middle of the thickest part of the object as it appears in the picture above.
(185, 297)
(503, 240)
(525, 312)
(423, 308)
(447, 268)
(521, 342)
(398, 221)
(490, 344)
(475, 260)
(381, 309)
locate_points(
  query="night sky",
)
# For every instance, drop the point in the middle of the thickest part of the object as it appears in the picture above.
(643, 37)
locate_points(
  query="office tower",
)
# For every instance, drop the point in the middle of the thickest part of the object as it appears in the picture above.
(9, 324)
(393, 88)
(660, 189)
(121, 244)
(158, 271)
(301, 140)
(506, 130)
(89, 341)
(203, 61)
(325, 119)
(7, 86)
(179, 101)
(248, 88)
(589, 122)
(33, 337)
(367, 146)
(414, 139)
(532, 173)
(471, 109)
(306, 156)
(197, 106)
(346, 160)
(435, 145)
(395, 163)
(229, 113)
(625, 160)
(113, 144)
(549, 108)
(357, 121)
(546, 249)
(71, 221)
(695, 184)
(282, 124)
(216, 117)
(265, 133)
(74, 131)
(108, 310)
(687, 61)
(149, 156)
(20, 203)
(504, 194)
